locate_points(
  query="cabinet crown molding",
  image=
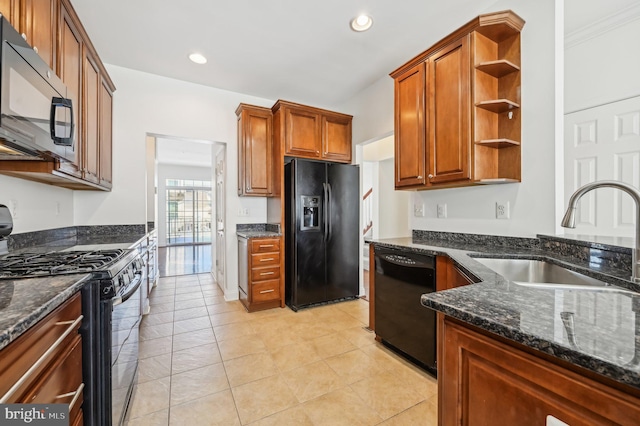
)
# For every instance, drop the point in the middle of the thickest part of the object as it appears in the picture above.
(495, 25)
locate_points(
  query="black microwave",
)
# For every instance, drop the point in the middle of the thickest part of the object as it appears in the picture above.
(36, 117)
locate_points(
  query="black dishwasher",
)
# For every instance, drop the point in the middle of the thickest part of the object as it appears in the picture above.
(400, 320)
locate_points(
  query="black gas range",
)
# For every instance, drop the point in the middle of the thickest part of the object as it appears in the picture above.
(110, 329)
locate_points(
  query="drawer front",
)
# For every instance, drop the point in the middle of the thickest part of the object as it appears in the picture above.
(261, 274)
(25, 351)
(265, 259)
(62, 382)
(265, 245)
(265, 291)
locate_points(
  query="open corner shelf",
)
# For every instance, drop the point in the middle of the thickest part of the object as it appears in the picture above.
(498, 105)
(498, 68)
(498, 143)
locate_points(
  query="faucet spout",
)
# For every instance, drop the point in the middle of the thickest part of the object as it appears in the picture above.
(569, 219)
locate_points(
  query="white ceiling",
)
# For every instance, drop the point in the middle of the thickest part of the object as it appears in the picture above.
(183, 152)
(266, 49)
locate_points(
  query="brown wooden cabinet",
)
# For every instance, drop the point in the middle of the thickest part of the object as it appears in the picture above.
(39, 24)
(449, 275)
(308, 132)
(255, 150)
(457, 118)
(10, 9)
(410, 134)
(449, 114)
(57, 376)
(483, 380)
(260, 278)
(53, 27)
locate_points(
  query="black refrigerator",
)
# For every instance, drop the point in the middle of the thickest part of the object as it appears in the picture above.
(322, 220)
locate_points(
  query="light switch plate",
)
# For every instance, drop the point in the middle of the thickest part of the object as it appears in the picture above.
(418, 210)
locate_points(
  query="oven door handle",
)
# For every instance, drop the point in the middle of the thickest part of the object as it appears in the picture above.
(121, 299)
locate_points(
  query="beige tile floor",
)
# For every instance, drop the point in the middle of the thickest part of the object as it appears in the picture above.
(204, 361)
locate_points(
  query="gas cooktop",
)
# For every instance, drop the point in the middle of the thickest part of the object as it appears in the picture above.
(25, 265)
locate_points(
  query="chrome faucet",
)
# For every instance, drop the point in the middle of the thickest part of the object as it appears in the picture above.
(569, 219)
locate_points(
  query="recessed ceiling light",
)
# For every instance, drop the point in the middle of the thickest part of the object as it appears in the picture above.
(198, 58)
(361, 23)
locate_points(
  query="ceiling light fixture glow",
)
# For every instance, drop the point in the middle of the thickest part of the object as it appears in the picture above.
(198, 58)
(361, 23)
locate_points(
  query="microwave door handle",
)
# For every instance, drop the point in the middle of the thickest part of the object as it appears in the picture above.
(55, 104)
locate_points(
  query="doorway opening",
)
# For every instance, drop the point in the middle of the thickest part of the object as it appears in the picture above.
(189, 208)
(181, 204)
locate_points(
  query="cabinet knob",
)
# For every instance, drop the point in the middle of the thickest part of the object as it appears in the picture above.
(419, 177)
(35, 49)
(430, 176)
(24, 36)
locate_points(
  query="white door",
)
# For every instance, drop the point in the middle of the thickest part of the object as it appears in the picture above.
(603, 143)
(220, 220)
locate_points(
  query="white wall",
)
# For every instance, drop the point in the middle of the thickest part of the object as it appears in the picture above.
(145, 103)
(393, 206)
(38, 206)
(472, 209)
(172, 171)
(602, 68)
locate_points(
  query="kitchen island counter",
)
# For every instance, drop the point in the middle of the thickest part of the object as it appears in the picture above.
(606, 322)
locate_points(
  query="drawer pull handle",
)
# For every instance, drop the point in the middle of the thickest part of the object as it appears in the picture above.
(267, 259)
(75, 394)
(267, 291)
(21, 381)
(266, 245)
(267, 273)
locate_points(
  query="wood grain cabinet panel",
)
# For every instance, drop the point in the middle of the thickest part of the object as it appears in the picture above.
(314, 133)
(255, 150)
(70, 72)
(410, 130)
(457, 108)
(260, 278)
(91, 129)
(106, 140)
(336, 137)
(58, 377)
(10, 9)
(39, 24)
(449, 112)
(483, 381)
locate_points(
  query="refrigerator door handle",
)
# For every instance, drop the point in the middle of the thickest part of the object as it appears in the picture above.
(325, 203)
(329, 209)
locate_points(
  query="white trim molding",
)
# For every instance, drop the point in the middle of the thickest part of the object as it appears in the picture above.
(602, 26)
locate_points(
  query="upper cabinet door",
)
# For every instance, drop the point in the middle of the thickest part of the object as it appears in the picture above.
(410, 138)
(449, 112)
(70, 72)
(91, 118)
(105, 125)
(39, 25)
(302, 133)
(255, 142)
(10, 10)
(336, 137)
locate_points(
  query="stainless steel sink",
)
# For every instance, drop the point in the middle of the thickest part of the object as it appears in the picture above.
(538, 272)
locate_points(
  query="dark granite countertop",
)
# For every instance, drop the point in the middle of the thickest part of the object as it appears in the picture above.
(24, 302)
(607, 322)
(258, 230)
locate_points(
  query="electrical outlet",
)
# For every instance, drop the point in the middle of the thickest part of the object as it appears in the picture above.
(57, 208)
(243, 211)
(502, 210)
(442, 211)
(418, 210)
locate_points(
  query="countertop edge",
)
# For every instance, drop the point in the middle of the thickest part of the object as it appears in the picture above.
(23, 324)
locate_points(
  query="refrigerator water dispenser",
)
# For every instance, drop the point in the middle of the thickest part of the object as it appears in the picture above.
(310, 212)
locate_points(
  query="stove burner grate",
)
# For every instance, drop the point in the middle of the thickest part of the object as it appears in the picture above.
(56, 263)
